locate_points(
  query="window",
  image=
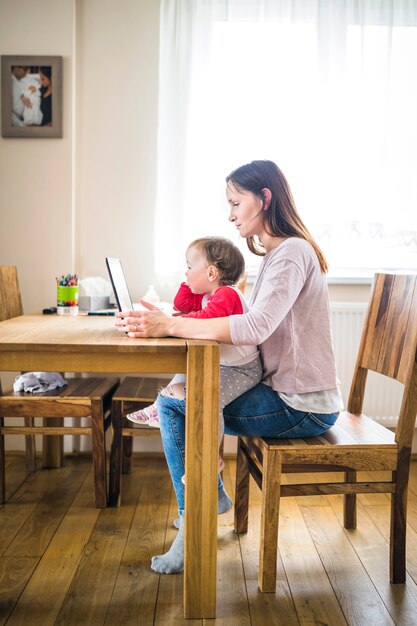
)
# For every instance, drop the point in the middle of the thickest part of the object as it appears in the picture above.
(331, 97)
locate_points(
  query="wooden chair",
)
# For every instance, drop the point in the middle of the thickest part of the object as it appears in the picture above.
(388, 346)
(134, 393)
(82, 397)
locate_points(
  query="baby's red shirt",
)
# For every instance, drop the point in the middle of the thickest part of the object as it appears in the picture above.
(223, 302)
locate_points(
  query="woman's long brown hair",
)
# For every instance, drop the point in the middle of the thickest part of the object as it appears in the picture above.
(282, 218)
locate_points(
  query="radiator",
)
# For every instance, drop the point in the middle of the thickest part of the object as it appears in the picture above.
(383, 395)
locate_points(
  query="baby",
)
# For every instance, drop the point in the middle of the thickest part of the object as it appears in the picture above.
(31, 98)
(214, 266)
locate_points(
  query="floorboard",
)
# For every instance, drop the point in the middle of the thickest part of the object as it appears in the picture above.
(64, 562)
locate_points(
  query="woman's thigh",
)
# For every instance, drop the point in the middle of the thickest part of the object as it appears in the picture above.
(261, 412)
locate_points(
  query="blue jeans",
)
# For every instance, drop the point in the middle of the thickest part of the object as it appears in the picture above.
(260, 412)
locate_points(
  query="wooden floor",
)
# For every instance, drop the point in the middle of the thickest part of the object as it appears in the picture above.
(64, 562)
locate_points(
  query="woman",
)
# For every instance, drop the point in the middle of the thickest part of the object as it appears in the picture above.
(288, 318)
(45, 77)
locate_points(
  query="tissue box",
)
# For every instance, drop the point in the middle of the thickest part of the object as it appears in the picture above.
(93, 303)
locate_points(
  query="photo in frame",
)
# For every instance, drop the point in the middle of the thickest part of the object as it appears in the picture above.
(31, 96)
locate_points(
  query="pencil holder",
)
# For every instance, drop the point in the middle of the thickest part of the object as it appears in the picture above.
(67, 300)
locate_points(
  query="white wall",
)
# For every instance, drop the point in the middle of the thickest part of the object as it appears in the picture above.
(36, 199)
(116, 126)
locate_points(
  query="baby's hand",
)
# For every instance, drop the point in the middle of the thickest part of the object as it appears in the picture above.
(32, 88)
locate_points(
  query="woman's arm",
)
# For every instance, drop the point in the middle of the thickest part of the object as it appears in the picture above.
(154, 323)
(217, 328)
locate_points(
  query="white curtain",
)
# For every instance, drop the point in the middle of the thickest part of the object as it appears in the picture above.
(325, 88)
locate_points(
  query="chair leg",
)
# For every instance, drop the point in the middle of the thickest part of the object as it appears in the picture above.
(399, 519)
(2, 465)
(30, 447)
(271, 491)
(116, 454)
(349, 504)
(99, 453)
(53, 445)
(242, 491)
(127, 446)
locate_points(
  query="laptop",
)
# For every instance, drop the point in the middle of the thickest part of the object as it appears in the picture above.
(121, 290)
(119, 284)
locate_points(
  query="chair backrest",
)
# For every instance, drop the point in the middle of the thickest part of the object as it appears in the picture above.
(10, 300)
(241, 283)
(389, 345)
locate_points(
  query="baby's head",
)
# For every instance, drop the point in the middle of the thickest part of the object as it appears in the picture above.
(224, 256)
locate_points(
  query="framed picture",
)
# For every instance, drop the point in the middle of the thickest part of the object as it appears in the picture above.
(31, 96)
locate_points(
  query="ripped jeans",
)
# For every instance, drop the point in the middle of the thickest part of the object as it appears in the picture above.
(260, 412)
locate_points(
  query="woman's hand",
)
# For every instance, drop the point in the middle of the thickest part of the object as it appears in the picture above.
(154, 323)
(150, 323)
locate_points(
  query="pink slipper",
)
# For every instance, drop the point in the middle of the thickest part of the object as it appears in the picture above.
(145, 417)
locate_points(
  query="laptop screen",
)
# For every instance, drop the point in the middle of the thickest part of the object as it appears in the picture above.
(119, 284)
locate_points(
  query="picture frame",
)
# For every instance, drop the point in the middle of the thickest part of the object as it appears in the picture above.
(31, 96)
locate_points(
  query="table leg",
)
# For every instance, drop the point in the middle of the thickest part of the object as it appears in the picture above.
(201, 480)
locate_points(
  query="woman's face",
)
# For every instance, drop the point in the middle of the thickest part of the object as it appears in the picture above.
(245, 211)
(45, 81)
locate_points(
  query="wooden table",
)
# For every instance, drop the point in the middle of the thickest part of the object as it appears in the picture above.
(92, 344)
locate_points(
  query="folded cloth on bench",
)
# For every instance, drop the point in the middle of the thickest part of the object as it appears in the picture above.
(38, 382)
